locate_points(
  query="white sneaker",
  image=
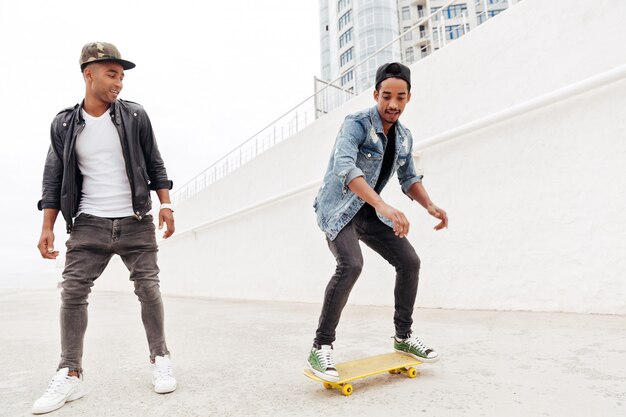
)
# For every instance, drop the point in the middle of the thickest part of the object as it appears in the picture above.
(61, 389)
(162, 377)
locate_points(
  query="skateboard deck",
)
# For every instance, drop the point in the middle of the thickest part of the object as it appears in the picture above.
(394, 363)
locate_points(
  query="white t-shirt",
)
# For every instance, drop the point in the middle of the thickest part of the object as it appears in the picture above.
(106, 189)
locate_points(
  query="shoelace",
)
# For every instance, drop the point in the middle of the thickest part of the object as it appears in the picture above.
(415, 342)
(163, 371)
(325, 357)
(55, 385)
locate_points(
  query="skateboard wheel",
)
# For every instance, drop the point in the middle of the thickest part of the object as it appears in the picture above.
(394, 371)
(346, 389)
(411, 372)
(327, 385)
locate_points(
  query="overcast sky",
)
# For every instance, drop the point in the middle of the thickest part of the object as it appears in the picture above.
(209, 74)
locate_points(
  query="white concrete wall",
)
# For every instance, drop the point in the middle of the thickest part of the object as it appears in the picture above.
(536, 202)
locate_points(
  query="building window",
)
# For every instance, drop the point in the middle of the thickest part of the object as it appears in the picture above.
(456, 31)
(420, 11)
(346, 57)
(424, 51)
(347, 77)
(422, 32)
(342, 4)
(345, 38)
(450, 12)
(435, 35)
(409, 55)
(490, 14)
(455, 10)
(345, 19)
(407, 36)
(406, 13)
(434, 10)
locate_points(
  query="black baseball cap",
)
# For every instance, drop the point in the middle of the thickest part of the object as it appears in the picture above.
(393, 70)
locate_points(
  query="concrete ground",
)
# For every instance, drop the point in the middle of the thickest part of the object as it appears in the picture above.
(242, 358)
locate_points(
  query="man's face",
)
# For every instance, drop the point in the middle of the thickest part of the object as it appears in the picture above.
(391, 96)
(104, 81)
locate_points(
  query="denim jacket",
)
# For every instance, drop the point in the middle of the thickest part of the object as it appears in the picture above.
(358, 152)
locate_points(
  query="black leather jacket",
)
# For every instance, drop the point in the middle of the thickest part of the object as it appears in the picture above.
(62, 179)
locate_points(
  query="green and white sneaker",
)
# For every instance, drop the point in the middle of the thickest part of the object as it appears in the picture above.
(413, 346)
(322, 364)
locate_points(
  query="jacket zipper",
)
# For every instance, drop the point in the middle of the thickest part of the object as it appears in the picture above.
(126, 153)
(72, 167)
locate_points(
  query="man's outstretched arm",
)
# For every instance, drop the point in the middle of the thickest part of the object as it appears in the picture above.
(418, 193)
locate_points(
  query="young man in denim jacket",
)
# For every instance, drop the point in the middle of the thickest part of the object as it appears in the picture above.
(371, 146)
(102, 164)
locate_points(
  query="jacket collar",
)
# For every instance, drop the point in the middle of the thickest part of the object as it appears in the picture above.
(376, 120)
(114, 111)
(378, 123)
(78, 114)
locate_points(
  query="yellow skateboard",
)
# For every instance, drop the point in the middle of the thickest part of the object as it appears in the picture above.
(394, 363)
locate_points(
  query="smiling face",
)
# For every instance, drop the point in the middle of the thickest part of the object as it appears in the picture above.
(391, 96)
(104, 82)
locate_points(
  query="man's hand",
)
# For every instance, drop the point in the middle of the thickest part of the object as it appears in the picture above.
(435, 211)
(166, 215)
(46, 245)
(400, 222)
(361, 188)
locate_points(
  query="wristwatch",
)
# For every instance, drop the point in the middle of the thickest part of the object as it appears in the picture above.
(167, 206)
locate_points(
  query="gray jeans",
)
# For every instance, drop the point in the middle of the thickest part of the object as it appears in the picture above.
(397, 251)
(92, 243)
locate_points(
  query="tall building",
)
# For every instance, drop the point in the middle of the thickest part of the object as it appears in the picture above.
(352, 30)
(447, 23)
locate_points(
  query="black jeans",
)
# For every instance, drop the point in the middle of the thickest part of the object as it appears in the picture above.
(397, 251)
(92, 243)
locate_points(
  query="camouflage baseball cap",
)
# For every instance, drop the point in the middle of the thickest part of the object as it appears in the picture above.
(102, 51)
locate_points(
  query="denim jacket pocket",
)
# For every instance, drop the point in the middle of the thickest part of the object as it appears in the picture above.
(370, 154)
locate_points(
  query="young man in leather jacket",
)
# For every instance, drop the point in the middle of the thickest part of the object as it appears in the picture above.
(371, 146)
(101, 166)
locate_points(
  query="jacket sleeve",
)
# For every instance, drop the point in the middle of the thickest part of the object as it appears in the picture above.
(154, 163)
(350, 138)
(52, 173)
(407, 174)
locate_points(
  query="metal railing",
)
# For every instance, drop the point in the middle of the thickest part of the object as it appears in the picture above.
(331, 94)
(598, 81)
